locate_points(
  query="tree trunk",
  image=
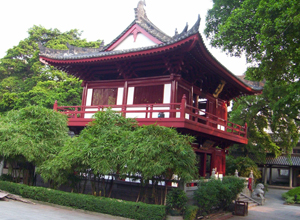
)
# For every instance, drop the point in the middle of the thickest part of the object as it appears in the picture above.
(84, 185)
(93, 184)
(111, 186)
(104, 186)
(138, 198)
(145, 193)
(166, 192)
(1, 166)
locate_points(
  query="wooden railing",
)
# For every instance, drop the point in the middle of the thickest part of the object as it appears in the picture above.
(165, 112)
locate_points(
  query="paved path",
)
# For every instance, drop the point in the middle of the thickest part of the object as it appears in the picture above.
(13, 210)
(272, 209)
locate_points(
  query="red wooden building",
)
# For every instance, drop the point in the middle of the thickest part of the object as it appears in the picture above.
(155, 78)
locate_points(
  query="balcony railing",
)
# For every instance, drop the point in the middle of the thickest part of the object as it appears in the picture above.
(154, 112)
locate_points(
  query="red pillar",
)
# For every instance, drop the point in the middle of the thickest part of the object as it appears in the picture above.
(55, 106)
(204, 165)
(224, 161)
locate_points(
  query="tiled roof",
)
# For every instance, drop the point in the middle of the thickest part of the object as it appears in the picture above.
(84, 53)
(252, 84)
(103, 53)
(283, 160)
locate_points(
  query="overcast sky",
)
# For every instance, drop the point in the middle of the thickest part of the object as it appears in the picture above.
(103, 19)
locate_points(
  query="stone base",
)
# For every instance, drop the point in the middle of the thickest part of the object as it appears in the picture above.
(260, 200)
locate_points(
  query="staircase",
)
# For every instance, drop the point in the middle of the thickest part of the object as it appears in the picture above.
(251, 202)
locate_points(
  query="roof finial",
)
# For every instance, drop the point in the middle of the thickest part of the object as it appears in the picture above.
(140, 12)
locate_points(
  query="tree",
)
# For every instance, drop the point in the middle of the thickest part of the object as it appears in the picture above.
(99, 149)
(115, 145)
(25, 80)
(243, 165)
(156, 151)
(266, 31)
(30, 136)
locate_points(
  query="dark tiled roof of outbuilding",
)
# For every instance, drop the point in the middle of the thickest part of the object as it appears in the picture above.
(283, 160)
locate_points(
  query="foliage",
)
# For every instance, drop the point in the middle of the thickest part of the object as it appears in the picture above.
(99, 147)
(190, 212)
(87, 202)
(112, 144)
(215, 194)
(34, 132)
(156, 150)
(30, 136)
(176, 200)
(270, 128)
(25, 80)
(244, 165)
(293, 192)
(266, 31)
(6, 177)
(289, 199)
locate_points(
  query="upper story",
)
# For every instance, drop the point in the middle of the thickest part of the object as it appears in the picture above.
(155, 78)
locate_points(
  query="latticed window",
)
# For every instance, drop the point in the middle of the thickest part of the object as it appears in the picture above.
(104, 96)
(148, 94)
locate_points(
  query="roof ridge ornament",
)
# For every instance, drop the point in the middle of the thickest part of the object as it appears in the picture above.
(140, 12)
(187, 32)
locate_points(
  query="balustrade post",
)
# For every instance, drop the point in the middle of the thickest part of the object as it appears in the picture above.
(123, 111)
(183, 106)
(151, 108)
(196, 113)
(246, 129)
(75, 114)
(55, 106)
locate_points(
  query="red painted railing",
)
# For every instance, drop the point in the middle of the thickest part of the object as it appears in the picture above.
(166, 112)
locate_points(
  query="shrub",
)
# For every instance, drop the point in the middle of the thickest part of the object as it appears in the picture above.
(244, 165)
(206, 196)
(292, 196)
(290, 200)
(217, 194)
(190, 212)
(293, 192)
(176, 200)
(6, 177)
(87, 202)
(234, 186)
(285, 196)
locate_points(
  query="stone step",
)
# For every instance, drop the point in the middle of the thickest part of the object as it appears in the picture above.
(245, 199)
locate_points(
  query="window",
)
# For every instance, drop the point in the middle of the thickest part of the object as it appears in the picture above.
(296, 151)
(104, 96)
(283, 172)
(148, 94)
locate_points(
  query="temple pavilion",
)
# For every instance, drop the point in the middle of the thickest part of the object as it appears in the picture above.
(171, 81)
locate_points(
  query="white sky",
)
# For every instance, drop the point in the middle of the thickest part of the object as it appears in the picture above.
(103, 19)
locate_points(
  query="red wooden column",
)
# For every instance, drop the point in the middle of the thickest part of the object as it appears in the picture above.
(84, 93)
(213, 161)
(224, 161)
(204, 164)
(84, 97)
(173, 96)
(125, 95)
(183, 106)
